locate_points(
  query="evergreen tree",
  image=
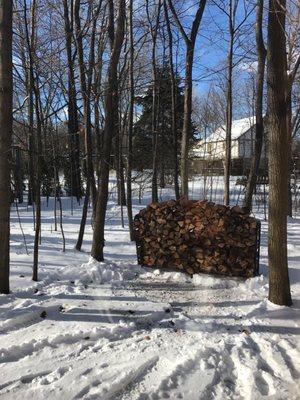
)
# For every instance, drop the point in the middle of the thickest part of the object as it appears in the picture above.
(142, 140)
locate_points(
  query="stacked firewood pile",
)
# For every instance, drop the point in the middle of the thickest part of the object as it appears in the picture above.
(198, 236)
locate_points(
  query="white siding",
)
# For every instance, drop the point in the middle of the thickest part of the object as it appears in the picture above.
(243, 142)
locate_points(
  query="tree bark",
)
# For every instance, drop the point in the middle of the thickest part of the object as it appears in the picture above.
(30, 94)
(279, 285)
(18, 175)
(83, 219)
(227, 167)
(259, 127)
(130, 123)
(187, 120)
(6, 93)
(119, 164)
(37, 190)
(73, 126)
(86, 95)
(174, 105)
(154, 31)
(111, 122)
(34, 101)
(188, 90)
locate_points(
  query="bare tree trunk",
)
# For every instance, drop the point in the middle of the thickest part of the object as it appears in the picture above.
(83, 219)
(34, 106)
(289, 150)
(187, 120)
(279, 286)
(111, 122)
(86, 83)
(97, 89)
(227, 167)
(130, 123)
(86, 78)
(61, 224)
(73, 128)
(188, 89)
(98, 134)
(37, 238)
(30, 199)
(18, 175)
(174, 105)
(259, 127)
(38, 150)
(31, 144)
(119, 165)
(6, 93)
(154, 31)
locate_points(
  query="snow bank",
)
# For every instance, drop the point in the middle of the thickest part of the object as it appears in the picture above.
(208, 281)
(103, 272)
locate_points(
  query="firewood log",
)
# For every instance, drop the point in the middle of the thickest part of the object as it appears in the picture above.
(197, 236)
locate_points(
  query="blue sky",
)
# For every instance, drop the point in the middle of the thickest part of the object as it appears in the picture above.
(212, 45)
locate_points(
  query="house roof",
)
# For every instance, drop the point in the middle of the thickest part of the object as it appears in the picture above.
(239, 127)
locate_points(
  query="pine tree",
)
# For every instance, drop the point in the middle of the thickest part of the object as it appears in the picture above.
(142, 141)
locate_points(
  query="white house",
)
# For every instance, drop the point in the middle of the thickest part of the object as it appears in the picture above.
(210, 152)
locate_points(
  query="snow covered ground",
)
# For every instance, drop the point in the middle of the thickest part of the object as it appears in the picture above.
(112, 330)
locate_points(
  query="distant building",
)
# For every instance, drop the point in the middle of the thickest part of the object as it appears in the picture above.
(209, 153)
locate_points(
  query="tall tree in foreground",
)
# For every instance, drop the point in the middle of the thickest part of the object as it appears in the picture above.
(259, 127)
(6, 90)
(130, 122)
(279, 287)
(116, 37)
(190, 41)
